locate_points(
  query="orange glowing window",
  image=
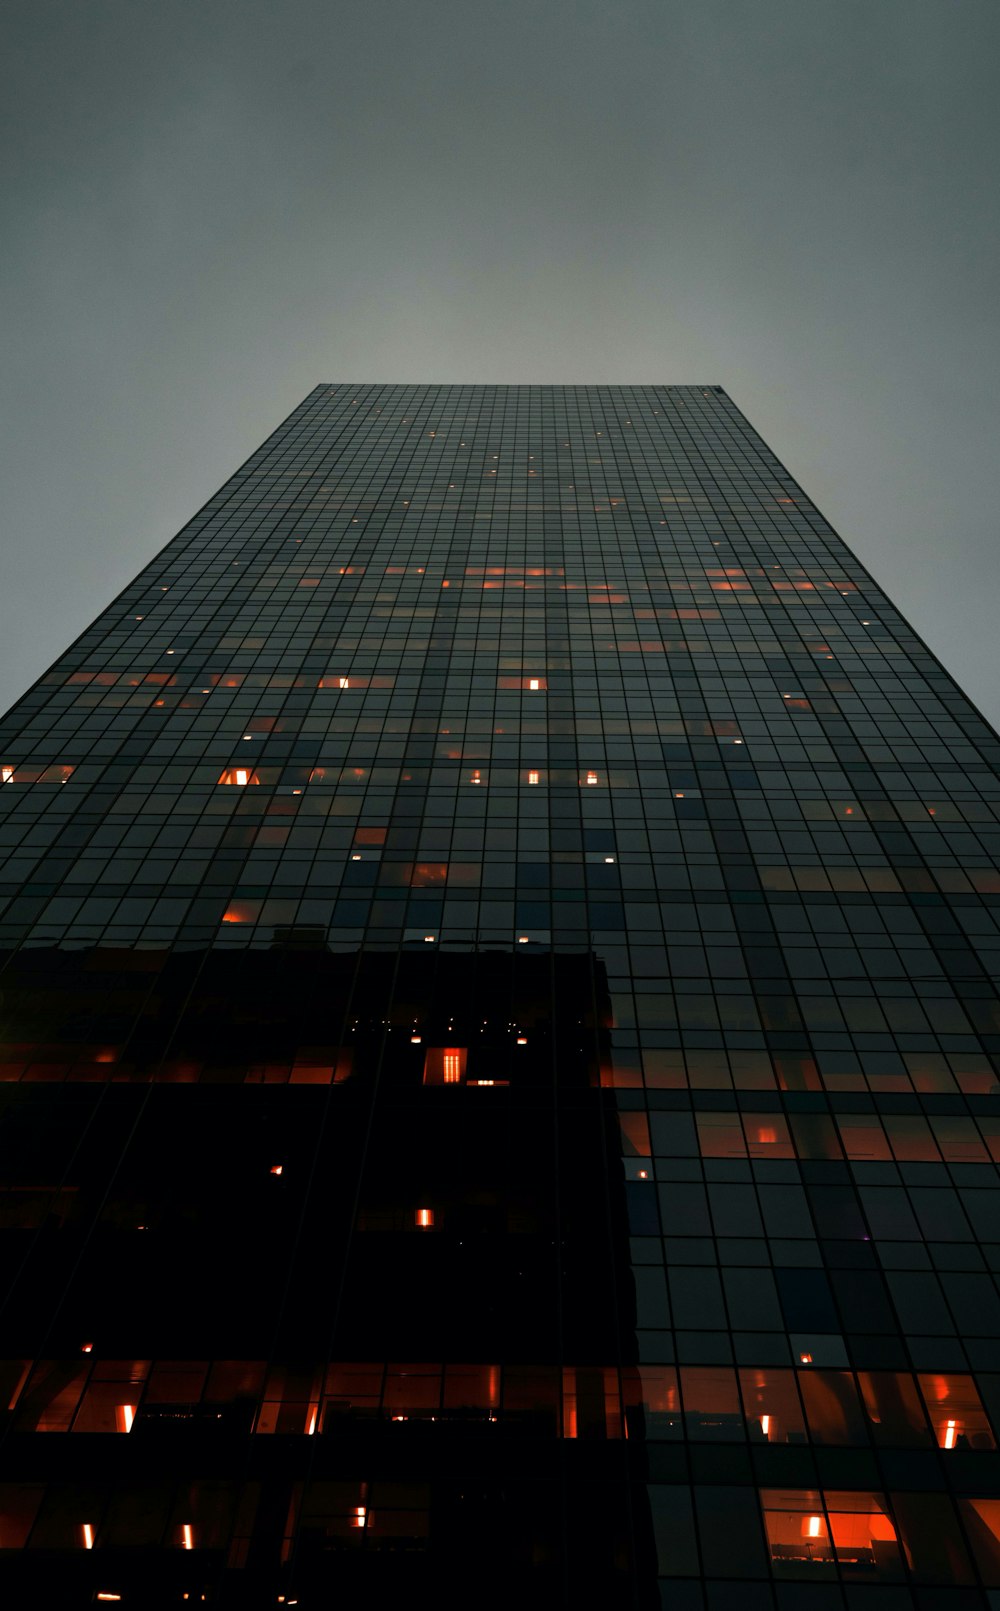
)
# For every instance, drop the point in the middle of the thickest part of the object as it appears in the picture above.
(796, 1527)
(11, 772)
(370, 836)
(424, 1219)
(771, 1405)
(427, 873)
(956, 1412)
(531, 684)
(242, 911)
(767, 1136)
(591, 778)
(635, 1135)
(863, 1535)
(240, 776)
(534, 777)
(445, 1065)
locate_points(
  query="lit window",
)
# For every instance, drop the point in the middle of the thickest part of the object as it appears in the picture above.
(240, 776)
(370, 836)
(242, 911)
(533, 777)
(13, 773)
(956, 1412)
(445, 1065)
(424, 1219)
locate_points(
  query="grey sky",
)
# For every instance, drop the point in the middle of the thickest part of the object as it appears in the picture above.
(209, 207)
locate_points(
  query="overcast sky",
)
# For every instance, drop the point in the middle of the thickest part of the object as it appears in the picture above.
(210, 205)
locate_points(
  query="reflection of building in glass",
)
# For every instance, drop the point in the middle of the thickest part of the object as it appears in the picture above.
(498, 1026)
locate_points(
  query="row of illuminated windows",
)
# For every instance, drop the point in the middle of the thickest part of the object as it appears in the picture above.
(252, 597)
(725, 682)
(752, 701)
(814, 1537)
(377, 664)
(871, 1137)
(705, 1403)
(815, 1136)
(541, 549)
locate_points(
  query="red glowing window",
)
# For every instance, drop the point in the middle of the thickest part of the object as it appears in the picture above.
(445, 1065)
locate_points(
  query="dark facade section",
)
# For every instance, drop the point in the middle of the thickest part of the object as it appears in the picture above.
(498, 1043)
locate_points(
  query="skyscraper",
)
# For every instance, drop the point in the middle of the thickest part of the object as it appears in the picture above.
(499, 1031)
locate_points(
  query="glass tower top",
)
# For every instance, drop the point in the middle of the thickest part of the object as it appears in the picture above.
(499, 1021)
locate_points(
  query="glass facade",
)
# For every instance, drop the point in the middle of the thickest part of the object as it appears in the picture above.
(499, 1032)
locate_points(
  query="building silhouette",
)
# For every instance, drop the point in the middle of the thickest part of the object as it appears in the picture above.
(498, 1099)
